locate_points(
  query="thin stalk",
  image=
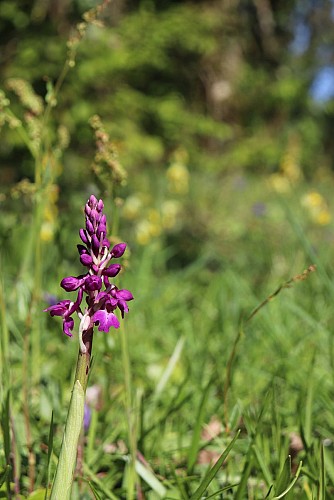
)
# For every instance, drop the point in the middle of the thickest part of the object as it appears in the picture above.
(23, 134)
(15, 459)
(35, 302)
(228, 376)
(129, 412)
(26, 376)
(63, 480)
(4, 346)
(228, 373)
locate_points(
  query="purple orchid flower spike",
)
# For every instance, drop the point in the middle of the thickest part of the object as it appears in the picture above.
(102, 296)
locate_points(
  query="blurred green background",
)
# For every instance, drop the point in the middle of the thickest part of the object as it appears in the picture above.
(206, 127)
(213, 108)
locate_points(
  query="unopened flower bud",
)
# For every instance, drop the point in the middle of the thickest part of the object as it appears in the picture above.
(112, 270)
(118, 250)
(101, 229)
(95, 244)
(70, 283)
(92, 200)
(89, 227)
(86, 259)
(83, 236)
(93, 283)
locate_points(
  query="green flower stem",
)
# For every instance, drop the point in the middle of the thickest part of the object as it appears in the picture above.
(83, 363)
(63, 480)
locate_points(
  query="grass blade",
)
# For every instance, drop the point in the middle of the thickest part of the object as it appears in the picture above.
(284, 477)
(149, 477)
(94, 480)
(285, 492)
(5, 425)
(50, 450)
(265, 471)
(194, 446)
(322, 481)
(244, 476)
(211, 473)
(5, 474)
(170, 366)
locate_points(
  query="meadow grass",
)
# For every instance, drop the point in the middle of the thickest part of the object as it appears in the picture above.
(162, 382)
(190, 399)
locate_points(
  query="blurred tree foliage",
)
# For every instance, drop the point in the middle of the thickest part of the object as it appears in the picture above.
(219, 78)
(228, 82)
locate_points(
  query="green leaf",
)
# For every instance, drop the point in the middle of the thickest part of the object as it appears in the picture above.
(211, 473)
(322, 481)
(95, 493)
(282, 495)
(5, 474)
(150, 478)
(265, 470)
(38, 494)
(244, 476)
(170, 367)
(284, 477)
(95, 480)
(67, 459)
(50, 449)
(5, 426)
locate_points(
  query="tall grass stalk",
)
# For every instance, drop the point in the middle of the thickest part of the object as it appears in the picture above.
(229, 366)
(4, 346)
(130, 414)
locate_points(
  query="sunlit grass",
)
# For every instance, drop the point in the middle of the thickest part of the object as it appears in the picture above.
(280, 384)
(191, 398)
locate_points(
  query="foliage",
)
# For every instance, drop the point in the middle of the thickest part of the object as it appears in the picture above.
(195, 123)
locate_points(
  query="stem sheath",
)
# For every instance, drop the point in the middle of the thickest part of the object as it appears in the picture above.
(63, 480)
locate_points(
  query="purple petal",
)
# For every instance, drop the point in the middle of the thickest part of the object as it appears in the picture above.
(101, 295)
(122, 305)
(105, 320)
(77, 303)
(68, 325)
(100, 206)
(58, 309)
(111, 303)
(93, 283)
(124, 294)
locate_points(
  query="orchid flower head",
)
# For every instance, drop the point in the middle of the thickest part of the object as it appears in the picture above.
(103, 297)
